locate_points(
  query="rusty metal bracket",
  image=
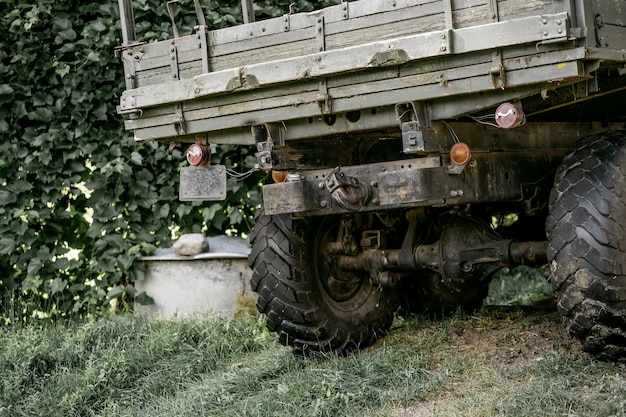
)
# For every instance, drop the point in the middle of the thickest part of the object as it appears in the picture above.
(129, 68)
(324, 100)
(179, 120)
(174, 62)
(494, 14)
(414, 118)
(498, 71)
(287, 17)
(555, 29)
(276, 133)
(202, 33)
(345, 8)
(264, 147)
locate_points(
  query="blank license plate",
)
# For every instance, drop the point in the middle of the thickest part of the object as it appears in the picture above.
(203, 183)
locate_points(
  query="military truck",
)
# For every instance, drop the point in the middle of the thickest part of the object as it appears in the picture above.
(415, 148)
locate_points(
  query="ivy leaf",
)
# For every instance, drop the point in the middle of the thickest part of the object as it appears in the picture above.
(144, 299)
(5, 89)
(136, 158)
(65, 35)
(57, 285)
(115, 292)
(7, 197)
(41, 114)
(7, 245)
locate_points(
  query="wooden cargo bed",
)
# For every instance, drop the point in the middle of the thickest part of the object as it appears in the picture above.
(343, 69)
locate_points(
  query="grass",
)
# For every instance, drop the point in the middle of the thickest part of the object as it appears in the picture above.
(499, 362)
(518, 286)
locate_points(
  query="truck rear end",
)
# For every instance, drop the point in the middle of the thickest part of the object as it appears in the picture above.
(416, 147)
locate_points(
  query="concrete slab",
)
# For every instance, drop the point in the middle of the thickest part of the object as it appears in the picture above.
(188, 286)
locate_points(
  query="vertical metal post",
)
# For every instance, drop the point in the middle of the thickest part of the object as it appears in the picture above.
(127, 18)
(247, 10)
(494, 14)
(199, 13)
(448, 14)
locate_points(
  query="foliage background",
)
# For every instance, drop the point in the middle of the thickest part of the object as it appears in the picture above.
(79, 200)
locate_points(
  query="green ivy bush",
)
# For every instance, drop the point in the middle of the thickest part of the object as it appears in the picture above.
(79, 199)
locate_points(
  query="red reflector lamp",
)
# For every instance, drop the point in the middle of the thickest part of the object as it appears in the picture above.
(510, 115)
(198, 154)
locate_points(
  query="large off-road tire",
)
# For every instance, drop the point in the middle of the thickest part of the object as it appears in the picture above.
(587, 243)
(308, 303)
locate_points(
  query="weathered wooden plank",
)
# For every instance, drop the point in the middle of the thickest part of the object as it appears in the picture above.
(553, 66)
(378, 54)
(248, 113)
(251, 43)
(257, 56)
(375, 22)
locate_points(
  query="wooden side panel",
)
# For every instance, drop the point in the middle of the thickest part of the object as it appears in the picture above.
(298, 35)
(369, 55)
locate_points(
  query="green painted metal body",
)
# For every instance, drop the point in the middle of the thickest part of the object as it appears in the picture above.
(312, 90)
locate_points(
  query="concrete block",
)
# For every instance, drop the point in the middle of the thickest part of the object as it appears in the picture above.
(187, 286)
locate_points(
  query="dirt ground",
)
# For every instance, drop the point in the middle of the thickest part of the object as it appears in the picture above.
(504, 340)
(512, 341)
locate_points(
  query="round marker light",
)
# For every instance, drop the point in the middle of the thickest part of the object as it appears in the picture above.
(279, 176)
(460, 153)
(197, 154)
(510, 115)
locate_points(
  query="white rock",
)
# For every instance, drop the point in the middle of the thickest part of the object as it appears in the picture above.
(191, 244)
